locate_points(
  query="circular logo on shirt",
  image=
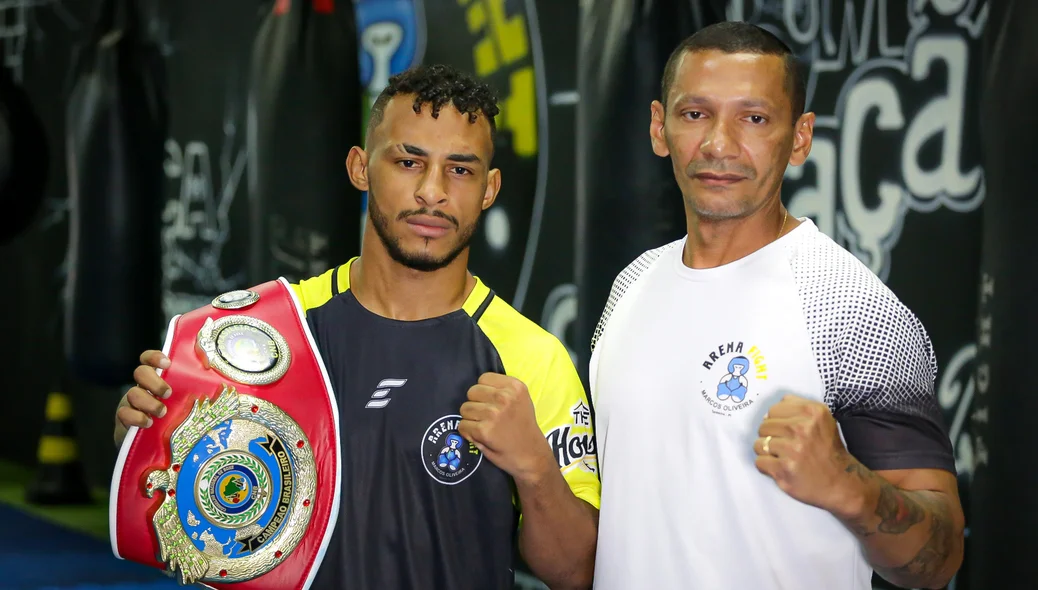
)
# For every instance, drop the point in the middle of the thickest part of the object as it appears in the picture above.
(449, 458)
(732, 380)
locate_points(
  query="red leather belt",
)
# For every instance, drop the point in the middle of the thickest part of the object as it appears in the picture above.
(237, 485)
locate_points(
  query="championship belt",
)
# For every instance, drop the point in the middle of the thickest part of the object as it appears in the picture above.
(237, 485)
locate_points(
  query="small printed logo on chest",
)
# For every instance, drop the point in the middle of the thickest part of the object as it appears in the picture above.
(380, 398)
(449, 458)
(732, 381)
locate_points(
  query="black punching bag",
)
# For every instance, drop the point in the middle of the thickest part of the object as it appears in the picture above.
(627, 198)
(24, 159)
(116, 127)
(304, 116)
(1004, 492)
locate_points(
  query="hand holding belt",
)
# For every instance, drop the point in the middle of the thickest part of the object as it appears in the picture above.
(246, 457)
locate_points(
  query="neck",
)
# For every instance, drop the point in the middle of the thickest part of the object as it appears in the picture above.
(716, 242)
(387, 288)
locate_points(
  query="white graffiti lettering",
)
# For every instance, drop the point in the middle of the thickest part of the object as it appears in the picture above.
(196, 224)
(905, 97)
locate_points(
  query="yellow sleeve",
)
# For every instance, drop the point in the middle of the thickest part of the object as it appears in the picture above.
(317, 290)
(537, 358)
(564, 415)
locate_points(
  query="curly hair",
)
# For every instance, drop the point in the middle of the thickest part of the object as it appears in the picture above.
(437, 85)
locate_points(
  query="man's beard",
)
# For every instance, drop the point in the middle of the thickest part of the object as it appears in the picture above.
(420, 262)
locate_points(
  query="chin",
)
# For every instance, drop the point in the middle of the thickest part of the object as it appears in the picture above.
(714, 208)
(422, 259)
(707, 211)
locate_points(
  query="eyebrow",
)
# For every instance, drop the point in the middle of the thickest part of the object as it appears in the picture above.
(417, 151)
(747, 103)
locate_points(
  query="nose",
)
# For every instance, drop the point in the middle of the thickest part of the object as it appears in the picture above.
(719, 142)
(432, 189)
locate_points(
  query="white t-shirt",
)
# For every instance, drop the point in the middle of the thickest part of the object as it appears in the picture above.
(685, 364)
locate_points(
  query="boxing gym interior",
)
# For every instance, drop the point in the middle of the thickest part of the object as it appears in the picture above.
(155, 154)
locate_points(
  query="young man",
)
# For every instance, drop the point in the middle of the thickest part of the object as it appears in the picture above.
(409, 307)
(727, 363)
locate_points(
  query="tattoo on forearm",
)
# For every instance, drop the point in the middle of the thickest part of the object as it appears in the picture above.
(898, 512)
(930, 559)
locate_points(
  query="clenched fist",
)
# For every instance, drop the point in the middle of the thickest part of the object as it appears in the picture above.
(499, 419)
(800, 448)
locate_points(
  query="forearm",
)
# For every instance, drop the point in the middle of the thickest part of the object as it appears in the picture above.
(909, 537)
(559, 531)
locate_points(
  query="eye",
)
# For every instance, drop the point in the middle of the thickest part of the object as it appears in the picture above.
(692, 115)
(757, 119)
(459, 170)
(407, 163)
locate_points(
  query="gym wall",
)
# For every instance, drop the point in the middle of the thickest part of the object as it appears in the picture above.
(898, 174)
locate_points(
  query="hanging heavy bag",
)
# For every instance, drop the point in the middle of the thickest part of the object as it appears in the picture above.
(116, 128)
(305, 114)
(627, 198)
(24, 159)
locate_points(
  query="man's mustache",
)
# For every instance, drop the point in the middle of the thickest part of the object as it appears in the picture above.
(430, 212)
(708, 167)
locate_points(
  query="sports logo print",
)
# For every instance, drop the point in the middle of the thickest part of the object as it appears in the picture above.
(449, 458)
(731, 381)
(574, 444)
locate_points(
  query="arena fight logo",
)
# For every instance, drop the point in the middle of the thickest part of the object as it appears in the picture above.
(733, 373)
(449, 458)
(897, 86)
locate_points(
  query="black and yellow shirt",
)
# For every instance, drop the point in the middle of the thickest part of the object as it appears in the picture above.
(421, 508)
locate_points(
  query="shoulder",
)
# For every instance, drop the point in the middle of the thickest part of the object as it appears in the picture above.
(315, 291)
(627, 278)
(838, 290)
(872, 341)
(516, 336)
(640, 265)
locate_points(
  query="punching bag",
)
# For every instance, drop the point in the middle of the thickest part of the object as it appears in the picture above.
(24, 159)
(627, 198)
(116, 126)
(305, 108)
(1004, 502)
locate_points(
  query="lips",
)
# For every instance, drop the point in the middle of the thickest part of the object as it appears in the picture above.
(718, 179)
(429, 220)
(428, 226)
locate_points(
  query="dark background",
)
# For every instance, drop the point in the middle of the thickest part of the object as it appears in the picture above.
(898, 173)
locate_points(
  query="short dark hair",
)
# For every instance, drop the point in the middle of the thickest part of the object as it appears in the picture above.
(740, 37)
(438, 85)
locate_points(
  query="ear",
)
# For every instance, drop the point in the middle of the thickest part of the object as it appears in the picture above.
(656, 132)
(803, 134)
(357, 167)
(493, 186)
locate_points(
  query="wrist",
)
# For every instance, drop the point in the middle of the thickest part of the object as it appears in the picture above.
(852, 495)
(540, 468)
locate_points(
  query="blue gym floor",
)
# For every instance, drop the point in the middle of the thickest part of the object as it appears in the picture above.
(36, 554)
(62, 547)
